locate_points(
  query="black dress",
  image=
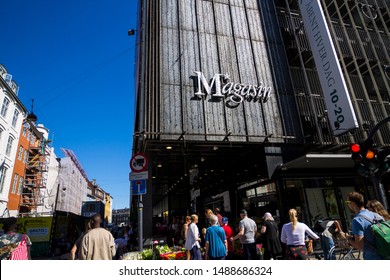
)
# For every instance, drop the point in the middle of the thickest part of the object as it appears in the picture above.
(271, 241)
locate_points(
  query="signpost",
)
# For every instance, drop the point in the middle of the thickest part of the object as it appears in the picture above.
(139, 166)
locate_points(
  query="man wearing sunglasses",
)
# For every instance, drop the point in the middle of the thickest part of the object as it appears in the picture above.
(362, 237)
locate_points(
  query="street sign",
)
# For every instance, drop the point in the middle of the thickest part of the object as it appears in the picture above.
(139, 175)
(138, 187)
(139, 162)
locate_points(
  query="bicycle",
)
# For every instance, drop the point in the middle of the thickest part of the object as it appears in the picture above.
(346, 253)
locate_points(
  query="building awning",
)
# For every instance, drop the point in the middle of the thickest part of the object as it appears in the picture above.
(314, 161)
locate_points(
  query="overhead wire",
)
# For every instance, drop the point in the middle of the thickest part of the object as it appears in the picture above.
(74, 81)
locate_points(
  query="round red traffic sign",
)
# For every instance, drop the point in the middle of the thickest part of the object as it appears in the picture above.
(139, 162)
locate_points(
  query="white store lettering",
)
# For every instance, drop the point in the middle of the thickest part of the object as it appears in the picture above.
(235, 93)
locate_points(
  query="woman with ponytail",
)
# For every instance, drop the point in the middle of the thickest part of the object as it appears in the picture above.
(293, 235)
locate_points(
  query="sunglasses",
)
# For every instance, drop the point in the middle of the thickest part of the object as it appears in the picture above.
(348, 202)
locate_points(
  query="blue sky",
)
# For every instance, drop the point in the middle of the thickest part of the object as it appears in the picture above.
(76, 60)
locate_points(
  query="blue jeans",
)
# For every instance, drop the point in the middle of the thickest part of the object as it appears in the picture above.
(326, 244)
(195, 253)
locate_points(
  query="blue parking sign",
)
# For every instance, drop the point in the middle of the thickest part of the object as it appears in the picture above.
(138, 187)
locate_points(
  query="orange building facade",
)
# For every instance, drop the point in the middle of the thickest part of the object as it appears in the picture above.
(17, 181)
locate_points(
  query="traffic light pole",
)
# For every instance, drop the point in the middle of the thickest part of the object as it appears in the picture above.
(379, 190)
(375, 179)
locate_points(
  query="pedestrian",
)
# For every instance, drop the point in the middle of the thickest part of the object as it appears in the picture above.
(229, 236)
(184, 234)
(377, 207)
(362, 237)
(293, 235)
(98, 243)
(270, 238)
(13, 245)
(247, 231)
(327, 241)
(174, 231)
(75, 251)
(192, 239)
(215, 241)
(218, 214)
(207, 215)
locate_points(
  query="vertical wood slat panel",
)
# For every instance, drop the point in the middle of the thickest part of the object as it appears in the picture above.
(193, 118)
(240, 32)
(168, 17)
(235, 120)
(187, 15)
(170, 93)
(214, 113)
(170, 113)
(193, 108)
(170, 68)
(223, 23)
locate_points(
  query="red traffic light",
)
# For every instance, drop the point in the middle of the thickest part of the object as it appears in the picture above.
(355, 148)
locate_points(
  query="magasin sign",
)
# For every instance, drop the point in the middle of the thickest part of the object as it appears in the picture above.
(220, 86)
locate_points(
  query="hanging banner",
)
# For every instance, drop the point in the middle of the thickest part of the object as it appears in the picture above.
(338, 103)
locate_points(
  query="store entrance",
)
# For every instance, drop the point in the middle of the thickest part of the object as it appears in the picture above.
(318, 198)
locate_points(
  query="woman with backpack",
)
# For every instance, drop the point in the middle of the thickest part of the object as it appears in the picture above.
(377, 207)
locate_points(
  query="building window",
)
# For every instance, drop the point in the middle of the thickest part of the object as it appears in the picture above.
(20, 188)
(4, 108)
(25, 157)
(15, 118)
(91, 208)
(2, 177)
(20, 154)
(9, 146)
(14, 183)
(24, 131)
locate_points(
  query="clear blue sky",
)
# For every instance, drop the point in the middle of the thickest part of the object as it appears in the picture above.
(76, 60)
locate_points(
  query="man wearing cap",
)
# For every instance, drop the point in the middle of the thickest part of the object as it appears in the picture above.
(229, 236)
(247, 231)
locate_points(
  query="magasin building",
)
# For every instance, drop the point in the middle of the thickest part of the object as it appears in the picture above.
(237, 109)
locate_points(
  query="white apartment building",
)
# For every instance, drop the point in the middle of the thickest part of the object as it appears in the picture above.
(73, 184)
(12, 113)
(49, 193)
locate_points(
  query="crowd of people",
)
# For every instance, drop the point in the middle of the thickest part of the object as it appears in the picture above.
(216, 238)
(292, 242)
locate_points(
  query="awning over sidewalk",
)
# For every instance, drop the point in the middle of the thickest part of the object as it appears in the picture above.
(313, 161)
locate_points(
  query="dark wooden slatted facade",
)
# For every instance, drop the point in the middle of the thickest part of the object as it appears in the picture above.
(254, 41)
(212, 37)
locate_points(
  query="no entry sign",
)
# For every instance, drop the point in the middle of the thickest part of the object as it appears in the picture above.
(139, 162)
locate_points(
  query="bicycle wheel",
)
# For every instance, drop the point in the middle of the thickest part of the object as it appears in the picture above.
(347, 255)
(332, 253)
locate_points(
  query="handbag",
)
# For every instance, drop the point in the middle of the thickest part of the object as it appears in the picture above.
(20, 252)
(309, 246)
